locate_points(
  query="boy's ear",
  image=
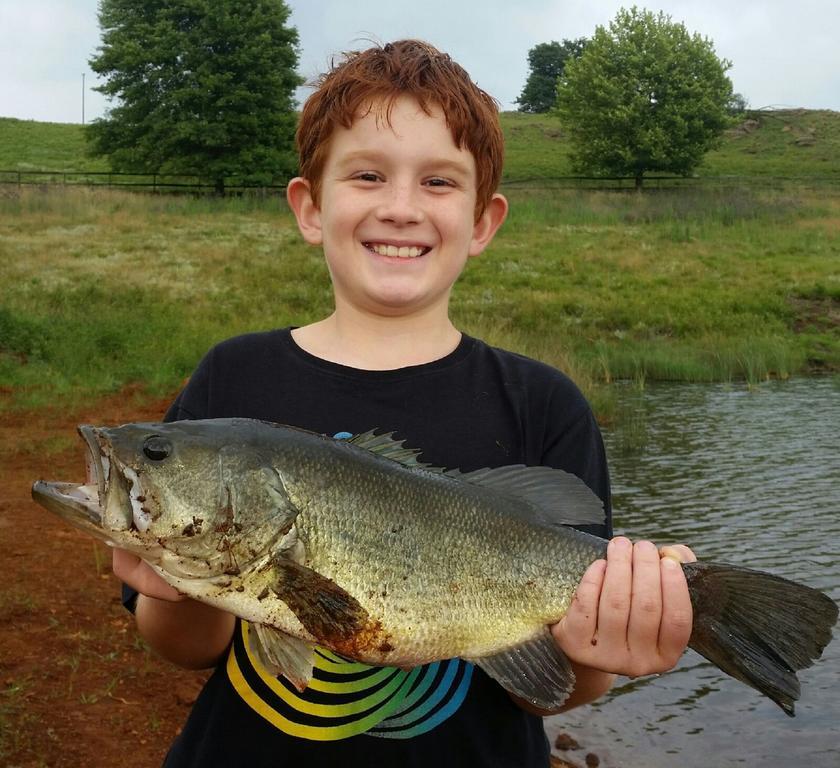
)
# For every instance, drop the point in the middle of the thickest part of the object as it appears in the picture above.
(490, 220)
(299, 196)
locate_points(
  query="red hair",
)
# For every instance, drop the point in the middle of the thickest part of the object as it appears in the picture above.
(374, 79)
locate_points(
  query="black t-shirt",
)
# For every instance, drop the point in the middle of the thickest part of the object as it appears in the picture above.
(477, 407)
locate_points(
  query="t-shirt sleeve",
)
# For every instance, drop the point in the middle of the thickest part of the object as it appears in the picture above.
(569, 436)
(578, 447)
(192, 401)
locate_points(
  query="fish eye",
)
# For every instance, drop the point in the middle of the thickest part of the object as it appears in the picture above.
(157, 448)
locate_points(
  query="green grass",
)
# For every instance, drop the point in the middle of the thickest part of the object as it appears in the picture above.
(28, 145)
(788, 143)
(799, 143)
(775, 143)
(100, 289)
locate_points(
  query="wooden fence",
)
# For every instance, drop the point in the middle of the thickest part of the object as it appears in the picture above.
(162, 183)
(148, 182)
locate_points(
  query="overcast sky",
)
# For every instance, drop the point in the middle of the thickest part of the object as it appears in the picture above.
(784, 53)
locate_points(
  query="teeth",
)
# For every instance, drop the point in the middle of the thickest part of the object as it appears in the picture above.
(402, 252)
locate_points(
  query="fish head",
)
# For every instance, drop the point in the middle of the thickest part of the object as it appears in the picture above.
(195, 498)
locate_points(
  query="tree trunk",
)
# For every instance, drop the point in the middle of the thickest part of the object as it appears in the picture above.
(639, 175)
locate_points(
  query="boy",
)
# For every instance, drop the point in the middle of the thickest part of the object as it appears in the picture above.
(400, 157)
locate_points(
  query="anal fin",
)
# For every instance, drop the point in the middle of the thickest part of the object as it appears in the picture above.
(282, 654)
(537, 671)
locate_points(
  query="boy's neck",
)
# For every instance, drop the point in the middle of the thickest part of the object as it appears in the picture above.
(376, 343)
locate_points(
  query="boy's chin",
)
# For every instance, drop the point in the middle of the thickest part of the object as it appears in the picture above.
(405, 304)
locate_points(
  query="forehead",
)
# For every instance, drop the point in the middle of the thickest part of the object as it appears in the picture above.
(401, 127)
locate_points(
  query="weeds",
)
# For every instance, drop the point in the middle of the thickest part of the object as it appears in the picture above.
(16, 722)
(102, 289)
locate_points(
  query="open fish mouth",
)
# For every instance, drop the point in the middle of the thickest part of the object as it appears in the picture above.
(76, 503)
(110, 499)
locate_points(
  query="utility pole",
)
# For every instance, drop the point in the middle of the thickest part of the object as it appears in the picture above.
(83, 98)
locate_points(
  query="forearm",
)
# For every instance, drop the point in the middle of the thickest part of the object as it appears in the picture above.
(188, 633)
(590, 685)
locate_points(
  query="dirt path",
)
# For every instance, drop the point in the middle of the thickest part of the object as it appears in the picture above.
(77, 687)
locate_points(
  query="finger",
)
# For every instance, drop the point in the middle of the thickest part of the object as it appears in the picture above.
(131, 570)
(124, 563)
(646, 599)
(614, 605)
(675, 627)
(581, 620)
(678, 552)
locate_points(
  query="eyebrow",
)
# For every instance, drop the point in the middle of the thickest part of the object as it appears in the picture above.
(373, 156)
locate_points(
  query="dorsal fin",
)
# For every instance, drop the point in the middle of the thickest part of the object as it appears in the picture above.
(385, 445)
(552, 497)
(547, 496)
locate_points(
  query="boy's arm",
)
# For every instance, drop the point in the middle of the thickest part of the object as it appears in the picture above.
(188, 633)
(631, 616)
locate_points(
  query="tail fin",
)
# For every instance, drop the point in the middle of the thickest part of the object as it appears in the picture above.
(758, 628)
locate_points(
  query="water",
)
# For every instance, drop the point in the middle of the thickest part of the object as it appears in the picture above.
(748, 476)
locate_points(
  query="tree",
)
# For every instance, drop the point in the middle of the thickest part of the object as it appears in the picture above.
(546, 62)
(203, 87)
(737, 105)
(645, 96)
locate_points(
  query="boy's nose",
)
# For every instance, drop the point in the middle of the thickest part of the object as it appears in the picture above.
(400, 206)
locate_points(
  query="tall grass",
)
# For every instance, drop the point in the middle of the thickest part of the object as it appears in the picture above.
(99, 289)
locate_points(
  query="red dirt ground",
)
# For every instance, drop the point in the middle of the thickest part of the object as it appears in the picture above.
(77, 686)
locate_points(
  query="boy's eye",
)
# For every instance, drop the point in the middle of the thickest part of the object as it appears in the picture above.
(438, 181)
(366, 176)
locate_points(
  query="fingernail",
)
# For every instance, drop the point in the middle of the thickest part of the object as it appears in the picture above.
(668, 561)
(620, 544)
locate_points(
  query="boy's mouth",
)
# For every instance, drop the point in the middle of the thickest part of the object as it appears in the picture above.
(398, 251)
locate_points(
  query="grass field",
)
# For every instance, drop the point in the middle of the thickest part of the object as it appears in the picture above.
(100, 289)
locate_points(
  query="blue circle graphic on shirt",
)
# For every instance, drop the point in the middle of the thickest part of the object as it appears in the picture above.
(345, 698)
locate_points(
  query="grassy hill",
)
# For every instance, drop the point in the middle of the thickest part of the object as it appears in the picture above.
(766, 143)
(28, 145)
(101, 289)
(794, 142)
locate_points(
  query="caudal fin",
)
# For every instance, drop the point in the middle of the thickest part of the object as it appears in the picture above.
(758, 628)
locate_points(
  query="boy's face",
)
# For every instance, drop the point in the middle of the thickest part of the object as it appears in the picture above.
(397, 212)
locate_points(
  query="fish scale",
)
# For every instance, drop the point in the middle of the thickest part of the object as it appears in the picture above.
(440, 568)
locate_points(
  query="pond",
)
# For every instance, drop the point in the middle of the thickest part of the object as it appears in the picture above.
(744, 475)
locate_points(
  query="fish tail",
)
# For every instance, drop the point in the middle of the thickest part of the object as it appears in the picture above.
(758, 628)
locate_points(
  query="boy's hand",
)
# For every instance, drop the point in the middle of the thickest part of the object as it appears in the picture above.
(139, 575)
(631, 614)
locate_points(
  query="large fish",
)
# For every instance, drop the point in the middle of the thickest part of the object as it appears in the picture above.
(357, 546)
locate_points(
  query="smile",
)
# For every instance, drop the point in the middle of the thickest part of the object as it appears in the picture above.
(402, 251)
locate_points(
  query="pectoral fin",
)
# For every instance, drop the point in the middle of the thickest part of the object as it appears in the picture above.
(329, 613)
(282, 654)
(537, 671)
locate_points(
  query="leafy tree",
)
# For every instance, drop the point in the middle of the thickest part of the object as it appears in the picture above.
(546, 62)
(203, 87)
(737, 105)
(645, 96)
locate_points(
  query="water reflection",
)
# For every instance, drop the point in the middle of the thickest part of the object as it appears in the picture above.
(745, 476)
